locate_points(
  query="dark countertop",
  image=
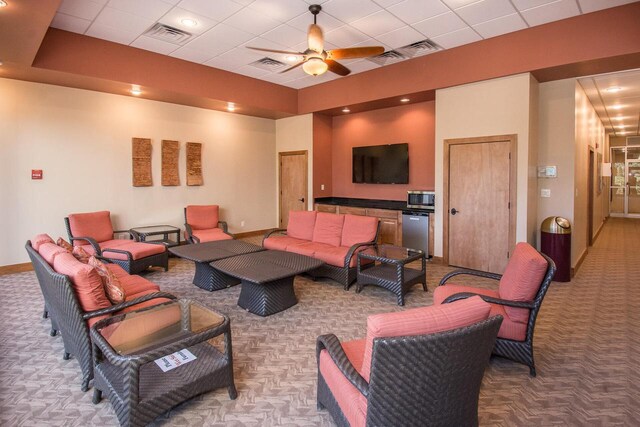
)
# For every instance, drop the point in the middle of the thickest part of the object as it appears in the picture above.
(395, 205)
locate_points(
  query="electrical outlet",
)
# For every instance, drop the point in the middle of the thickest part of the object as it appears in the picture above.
(545, 192)
(242, 224)
(321, 186)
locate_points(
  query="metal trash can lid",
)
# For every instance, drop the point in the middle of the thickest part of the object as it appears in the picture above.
(556, 225)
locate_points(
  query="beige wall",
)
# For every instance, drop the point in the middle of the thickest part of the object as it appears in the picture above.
(82, 141)
(296, 134)
(569, 127)
(494, 107)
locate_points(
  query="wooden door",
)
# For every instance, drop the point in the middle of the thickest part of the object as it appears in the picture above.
(480, 202)
(293, 184)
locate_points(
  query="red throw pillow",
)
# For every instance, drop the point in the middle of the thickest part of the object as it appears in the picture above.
(81, 255)
(64, 244)
(112, 286)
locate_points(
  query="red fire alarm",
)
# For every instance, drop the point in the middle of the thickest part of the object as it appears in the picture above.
(36, 173)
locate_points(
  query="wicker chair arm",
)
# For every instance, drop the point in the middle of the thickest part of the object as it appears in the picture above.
(471, 273)
(92, 242)
(127, 304)
(353, 249)
(133, 234)
(331, 343)
(224, 226)
(274, 231)
(500, 301)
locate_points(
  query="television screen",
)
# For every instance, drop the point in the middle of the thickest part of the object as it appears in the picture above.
(381, 164)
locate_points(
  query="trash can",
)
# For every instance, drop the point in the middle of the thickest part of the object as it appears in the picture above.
(556, 243)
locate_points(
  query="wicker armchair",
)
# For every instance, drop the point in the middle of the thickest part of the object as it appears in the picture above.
(427, 379)
(515, 339)
(94, 232)
(202, 224)
(67, 315)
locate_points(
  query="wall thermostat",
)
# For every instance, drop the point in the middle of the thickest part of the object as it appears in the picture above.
(547, 172)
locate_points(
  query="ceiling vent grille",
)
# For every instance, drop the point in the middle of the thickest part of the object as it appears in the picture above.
(388, 57)
(419, 48)
(268, 64)
(168, 34)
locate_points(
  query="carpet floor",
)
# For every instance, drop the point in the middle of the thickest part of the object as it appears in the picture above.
(587, 349)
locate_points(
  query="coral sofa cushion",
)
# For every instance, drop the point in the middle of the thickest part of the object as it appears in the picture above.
(49, 251)
(308, 248)
(85, 280)
(421, 321)
(281, 243)
(93, 224)
(351, 402)
(138, 250)
(202, 217)
(522, 279)
(134, 284)
(301, 223)
(40, 239)
(358, 229)
(328, 228)
(508, 329)
(211, 235)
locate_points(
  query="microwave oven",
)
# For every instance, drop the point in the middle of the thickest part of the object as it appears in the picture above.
(421, 200)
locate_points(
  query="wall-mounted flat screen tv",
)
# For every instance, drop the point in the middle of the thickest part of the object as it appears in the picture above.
(381, 164)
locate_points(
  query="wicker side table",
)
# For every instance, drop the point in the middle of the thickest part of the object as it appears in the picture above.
(130, 348)
(390, 270)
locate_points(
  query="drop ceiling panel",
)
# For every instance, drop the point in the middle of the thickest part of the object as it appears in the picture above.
(226, 27)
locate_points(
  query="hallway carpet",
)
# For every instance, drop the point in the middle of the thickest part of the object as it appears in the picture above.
(587, 349)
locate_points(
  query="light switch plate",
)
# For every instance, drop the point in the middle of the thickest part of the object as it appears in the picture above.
(545, 192)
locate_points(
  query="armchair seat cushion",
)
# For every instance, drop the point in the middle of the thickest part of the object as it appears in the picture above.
(211, 235)
(138, 250)
(281, 242)
(351, 402)
(509, 329)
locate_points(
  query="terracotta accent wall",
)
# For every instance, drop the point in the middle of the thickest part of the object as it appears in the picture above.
(413, 124)
(322, 168)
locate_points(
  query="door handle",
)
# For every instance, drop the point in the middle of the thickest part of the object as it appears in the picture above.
(301, 200)
(454, 211)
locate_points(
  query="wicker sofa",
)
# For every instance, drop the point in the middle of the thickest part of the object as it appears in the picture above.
(332, 238)
(75, 298)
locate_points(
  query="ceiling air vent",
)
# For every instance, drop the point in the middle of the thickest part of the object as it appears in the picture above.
(168, 34)
(389, 57)
(419, 48)
(268, 64)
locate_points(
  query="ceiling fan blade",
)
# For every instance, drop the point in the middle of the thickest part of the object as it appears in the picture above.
(284, 52)
(293, 66)
(336, 67)
(354, 52)
(315, 39)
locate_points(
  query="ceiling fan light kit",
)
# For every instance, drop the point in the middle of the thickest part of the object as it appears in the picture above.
(315, 60)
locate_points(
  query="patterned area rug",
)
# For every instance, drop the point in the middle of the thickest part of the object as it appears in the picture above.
(586, 347)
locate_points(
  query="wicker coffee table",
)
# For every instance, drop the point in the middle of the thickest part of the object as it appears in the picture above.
(267, 278)
(390, 270)
(150, 360)
(206, 277)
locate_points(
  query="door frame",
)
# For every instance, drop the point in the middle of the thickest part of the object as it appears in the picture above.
(590, 189)
(306, 178)
(513, 174)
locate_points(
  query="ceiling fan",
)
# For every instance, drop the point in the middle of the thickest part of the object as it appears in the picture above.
(316, 60)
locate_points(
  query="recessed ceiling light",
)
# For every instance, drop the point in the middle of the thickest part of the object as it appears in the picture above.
(189, 22)
(621, 126)
(292, 58)
(231, 106)
(623, 132)
(617, 118)
(346, 110)
(135, 90)
(616, 107)
(613, 89)
(405, 100)
(3, 3)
